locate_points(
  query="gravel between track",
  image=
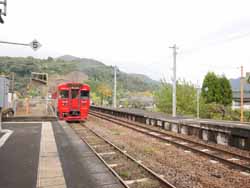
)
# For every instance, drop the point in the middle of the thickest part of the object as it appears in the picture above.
(184, 170)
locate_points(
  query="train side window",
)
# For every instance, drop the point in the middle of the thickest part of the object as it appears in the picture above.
(74, 93)
(84, 94)
(64, 94)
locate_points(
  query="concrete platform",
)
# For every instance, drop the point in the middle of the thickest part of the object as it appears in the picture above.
(49, 154)
(221, 132)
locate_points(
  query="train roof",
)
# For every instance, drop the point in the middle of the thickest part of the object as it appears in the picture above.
(71, 84)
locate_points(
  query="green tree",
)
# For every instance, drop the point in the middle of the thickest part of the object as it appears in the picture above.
(185, 96)
(216, 89)
(105, 92)
(163, 98)
(211, 88)
(226, 91)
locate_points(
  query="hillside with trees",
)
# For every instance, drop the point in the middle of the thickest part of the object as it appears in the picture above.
(98, 75)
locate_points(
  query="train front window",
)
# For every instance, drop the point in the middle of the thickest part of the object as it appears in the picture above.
(74, 93)
(84, 94)
(64, 94)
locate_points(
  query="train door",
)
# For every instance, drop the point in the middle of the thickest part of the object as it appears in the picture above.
(84, 97)
(75, 99)
(63, 102)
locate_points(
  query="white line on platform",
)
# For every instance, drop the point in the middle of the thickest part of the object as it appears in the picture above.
(5, 137)
(50, 173)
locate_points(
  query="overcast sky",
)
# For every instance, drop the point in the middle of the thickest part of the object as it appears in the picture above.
(135, 35)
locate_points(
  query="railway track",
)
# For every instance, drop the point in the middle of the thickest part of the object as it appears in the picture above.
(130, 172)
(231, 159)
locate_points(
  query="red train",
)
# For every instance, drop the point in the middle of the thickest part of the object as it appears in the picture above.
(73, 101)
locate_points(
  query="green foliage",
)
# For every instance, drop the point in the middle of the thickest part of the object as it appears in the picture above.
(216, 89)
(163, 98)
(97, 72)
(185, 96)
(211, 88)
(226, 91)
(22, 67)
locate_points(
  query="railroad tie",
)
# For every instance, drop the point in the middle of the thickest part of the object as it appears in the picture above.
(233, 159)
(107, 153)
(245, 173)
(113, 165)
(213, 161)
(99, 146)
(129, 182)
(205, 150)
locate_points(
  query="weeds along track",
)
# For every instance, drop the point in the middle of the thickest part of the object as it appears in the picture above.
(128, 170)
(231, 159)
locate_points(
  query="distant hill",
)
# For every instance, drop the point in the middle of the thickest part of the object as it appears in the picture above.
(66, 67)
(99, 71)
(68, 58)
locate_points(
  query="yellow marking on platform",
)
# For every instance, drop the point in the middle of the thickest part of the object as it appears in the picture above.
(50, 173)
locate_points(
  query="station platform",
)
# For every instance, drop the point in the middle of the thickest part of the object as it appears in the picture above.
(49, 154)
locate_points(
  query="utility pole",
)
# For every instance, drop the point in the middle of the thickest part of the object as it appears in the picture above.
(241, 95)
(174, 81)
(12, 85)
(198, 101)
(114, 90)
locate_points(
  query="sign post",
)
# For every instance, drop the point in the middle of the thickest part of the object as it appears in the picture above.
(35, 45)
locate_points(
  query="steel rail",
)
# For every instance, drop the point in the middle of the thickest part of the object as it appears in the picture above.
(175, 136)
(151, 172)
(106, 164)
(228, 162)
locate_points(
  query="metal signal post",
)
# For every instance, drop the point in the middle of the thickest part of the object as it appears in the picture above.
(35, 45)
(174, 80)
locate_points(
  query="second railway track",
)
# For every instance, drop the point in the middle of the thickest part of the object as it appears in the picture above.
(130, 172)
(234, 160)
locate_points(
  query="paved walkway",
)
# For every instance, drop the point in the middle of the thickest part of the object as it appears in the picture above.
(50, 154)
